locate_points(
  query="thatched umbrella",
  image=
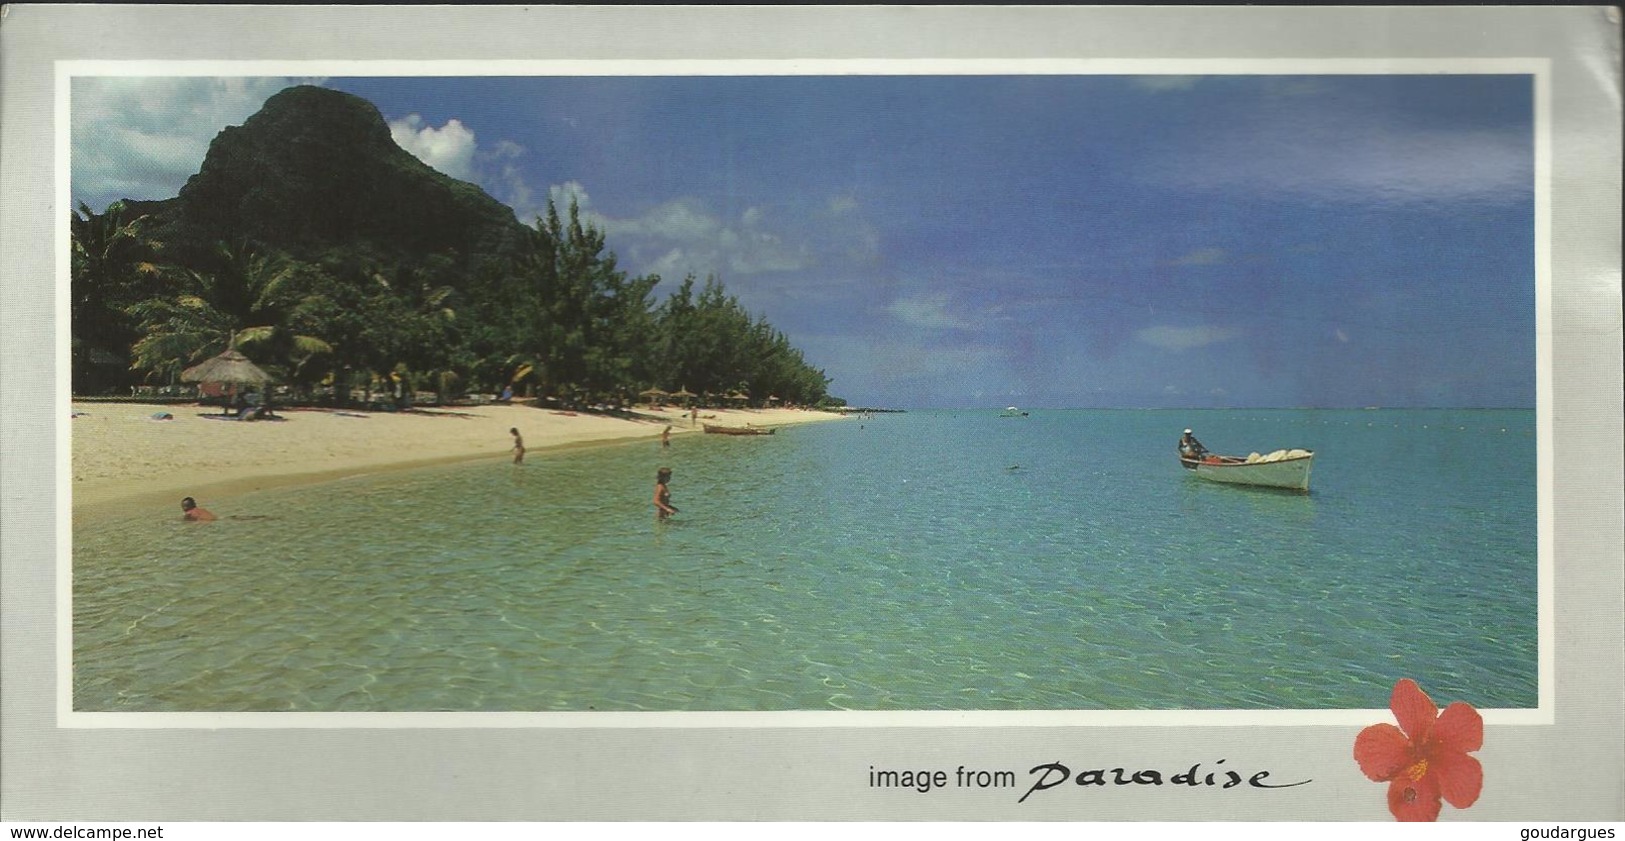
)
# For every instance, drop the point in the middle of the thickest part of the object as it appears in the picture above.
(229, 368)
(653, 394)
(685, 394)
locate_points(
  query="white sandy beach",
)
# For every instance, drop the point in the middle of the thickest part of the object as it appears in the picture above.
(121, 454)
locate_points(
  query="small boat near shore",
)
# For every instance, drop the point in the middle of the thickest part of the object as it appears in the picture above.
(1288, 469)
(737, 430)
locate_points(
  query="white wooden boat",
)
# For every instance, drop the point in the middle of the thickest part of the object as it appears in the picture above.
(1281, 469)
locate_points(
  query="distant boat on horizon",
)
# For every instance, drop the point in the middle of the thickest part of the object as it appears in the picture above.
(1013, 412)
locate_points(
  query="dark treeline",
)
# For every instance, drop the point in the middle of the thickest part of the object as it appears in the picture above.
(553, 317)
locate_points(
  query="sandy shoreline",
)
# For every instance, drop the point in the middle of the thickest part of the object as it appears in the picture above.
(121, 455)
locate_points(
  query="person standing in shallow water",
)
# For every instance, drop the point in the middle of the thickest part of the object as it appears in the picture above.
(663, 506)
(518, 446)
(665, 437)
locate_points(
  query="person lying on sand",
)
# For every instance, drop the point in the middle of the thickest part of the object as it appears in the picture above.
(191, 511)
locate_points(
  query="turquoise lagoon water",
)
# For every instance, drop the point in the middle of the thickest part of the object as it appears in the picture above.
(898, 562)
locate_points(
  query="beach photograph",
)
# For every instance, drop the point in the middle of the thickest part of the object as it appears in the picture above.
(803, 391)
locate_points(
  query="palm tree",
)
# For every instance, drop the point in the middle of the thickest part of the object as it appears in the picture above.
(245, 302)
(521, 369)
(415, 330)
(112, 264)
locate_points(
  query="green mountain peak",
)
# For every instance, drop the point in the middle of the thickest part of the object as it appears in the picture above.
(316, 169)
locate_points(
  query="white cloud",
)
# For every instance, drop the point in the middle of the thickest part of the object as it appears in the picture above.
(568, 193)
(769, 254)
(681, 220)
(683, 236)
(674, 238)
(674, 263)
(1185, 338)
(448, 148)
(842, 204)
(141, 137)
(1346, 160)
(506, 180)
(931, 311)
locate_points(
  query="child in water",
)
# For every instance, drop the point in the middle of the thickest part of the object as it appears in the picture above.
(518, 446)
(663, 506)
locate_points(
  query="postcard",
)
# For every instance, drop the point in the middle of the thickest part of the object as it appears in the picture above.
(871, 413)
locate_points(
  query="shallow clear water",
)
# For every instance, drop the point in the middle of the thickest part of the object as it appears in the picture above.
(895, 562)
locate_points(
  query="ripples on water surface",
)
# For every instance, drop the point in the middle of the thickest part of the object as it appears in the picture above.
(891, 563)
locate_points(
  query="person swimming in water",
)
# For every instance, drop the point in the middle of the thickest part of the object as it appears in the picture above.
(663, 506)
(190, 511)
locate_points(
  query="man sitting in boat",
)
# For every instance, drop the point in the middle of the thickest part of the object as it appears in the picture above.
(1190, 448)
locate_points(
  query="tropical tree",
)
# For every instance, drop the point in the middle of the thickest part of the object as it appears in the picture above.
(330, 304)
(709, 342)
(590, 327)
(113, 265)
(245, 302)
(412, 333)
(558, 316)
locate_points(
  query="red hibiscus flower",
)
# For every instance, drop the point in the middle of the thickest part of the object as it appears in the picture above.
(1425, 757)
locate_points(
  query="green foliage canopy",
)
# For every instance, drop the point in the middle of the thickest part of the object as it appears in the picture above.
(553, 317)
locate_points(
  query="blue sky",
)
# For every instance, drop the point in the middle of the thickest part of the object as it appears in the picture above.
(1043, 241)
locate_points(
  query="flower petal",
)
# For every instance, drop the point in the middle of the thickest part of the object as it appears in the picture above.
(1416, 800)
(1414, 710)
(1460, 777)
(1459, 728)
(1382, 751)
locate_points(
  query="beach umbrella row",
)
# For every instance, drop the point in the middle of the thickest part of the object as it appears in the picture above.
(653, 393)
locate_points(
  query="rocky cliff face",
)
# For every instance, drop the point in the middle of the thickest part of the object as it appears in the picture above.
(316, 169)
